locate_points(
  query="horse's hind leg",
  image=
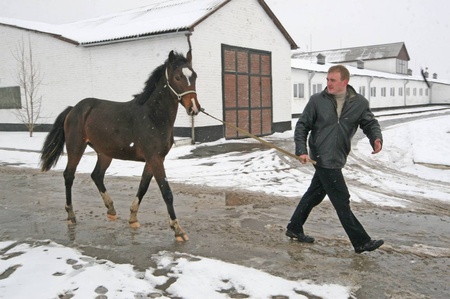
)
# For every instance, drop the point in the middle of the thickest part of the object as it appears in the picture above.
(98, 176)
(69, 175)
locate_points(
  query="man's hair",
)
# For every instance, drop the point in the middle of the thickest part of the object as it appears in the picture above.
(345, 74)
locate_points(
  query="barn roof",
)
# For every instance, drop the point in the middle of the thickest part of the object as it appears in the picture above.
(393, 50)
(157, 18)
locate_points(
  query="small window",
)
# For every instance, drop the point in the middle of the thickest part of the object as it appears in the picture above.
(362, 91)
(414, 91)
(317, 88)
(392, 92)
(408, 91)
(421, 92)
(10, 98)
(373, 91)
(299, 90)
(426, 91)
(400, 91)
(383, 91)
(401, 67)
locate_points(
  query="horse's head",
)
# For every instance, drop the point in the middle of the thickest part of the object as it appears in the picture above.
(181, 81)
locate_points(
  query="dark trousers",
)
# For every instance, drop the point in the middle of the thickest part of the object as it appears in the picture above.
(329, 182)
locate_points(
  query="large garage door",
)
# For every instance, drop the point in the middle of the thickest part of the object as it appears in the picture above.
(247, 91)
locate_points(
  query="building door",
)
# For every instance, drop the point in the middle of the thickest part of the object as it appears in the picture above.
(247, 91)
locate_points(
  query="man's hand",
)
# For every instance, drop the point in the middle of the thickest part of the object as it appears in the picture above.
(377, 146)
(304, 159)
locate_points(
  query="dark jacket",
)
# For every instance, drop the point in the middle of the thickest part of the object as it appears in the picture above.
(330, 138)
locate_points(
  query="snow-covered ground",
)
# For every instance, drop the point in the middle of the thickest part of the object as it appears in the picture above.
(46, 269)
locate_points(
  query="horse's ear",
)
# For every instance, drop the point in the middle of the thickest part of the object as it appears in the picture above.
(171, 56)
(189, 57)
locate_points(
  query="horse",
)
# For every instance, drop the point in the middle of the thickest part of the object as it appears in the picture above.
(138, 130)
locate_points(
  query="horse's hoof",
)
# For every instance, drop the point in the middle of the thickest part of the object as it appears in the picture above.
(182, 238)
(135, 224)
(111, 217)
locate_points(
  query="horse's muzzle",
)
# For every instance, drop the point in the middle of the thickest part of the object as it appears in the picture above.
(194, 108)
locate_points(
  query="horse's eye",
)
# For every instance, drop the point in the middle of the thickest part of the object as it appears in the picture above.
(178, 78)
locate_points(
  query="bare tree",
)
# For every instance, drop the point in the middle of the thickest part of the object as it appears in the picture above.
(29, 80)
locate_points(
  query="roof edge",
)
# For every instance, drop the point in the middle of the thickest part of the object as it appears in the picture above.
(55, 35)
(277, 23)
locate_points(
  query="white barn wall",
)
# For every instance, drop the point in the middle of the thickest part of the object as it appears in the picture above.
(120, 70)
(440, 93)
(388, 65)
(51, 58)
(417, 98)
(71, 73)
(226, 26)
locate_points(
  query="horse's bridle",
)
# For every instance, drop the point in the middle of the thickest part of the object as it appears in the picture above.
(179, 95)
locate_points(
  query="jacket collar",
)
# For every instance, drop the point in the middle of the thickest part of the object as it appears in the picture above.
(351, 93)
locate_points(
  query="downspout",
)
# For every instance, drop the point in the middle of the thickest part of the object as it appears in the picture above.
(369, 91)
(188, 35)
(404, 92)
(192, 130)
(311, 75)
(430, 98)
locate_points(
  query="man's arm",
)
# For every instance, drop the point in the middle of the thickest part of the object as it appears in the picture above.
(302, 129)
(371, 128)
(377, 146)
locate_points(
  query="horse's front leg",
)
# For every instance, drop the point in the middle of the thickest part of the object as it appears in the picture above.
(160, 176)
(143, 187)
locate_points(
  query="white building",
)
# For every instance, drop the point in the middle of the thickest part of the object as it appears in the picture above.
(379, 72)
(241, 54)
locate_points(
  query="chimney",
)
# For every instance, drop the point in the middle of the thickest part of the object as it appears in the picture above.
(360, 64)
(434, 76)
(320, 59)
(409, 72)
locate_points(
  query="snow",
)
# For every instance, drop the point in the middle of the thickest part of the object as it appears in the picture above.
(409, 147)
(48, 270)
(166, 16)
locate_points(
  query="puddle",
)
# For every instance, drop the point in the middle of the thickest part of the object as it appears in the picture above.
(207, 151)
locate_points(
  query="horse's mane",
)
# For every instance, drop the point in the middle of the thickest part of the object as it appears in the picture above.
(152, 81)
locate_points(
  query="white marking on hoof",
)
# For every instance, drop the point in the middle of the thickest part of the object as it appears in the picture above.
(111, 217)
(135, 224)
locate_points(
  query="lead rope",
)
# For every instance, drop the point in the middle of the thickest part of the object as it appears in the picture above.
(257, 138)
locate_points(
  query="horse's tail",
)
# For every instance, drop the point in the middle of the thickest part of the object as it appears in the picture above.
(54, 142)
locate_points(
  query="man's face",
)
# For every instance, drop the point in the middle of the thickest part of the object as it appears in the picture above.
(335, 85)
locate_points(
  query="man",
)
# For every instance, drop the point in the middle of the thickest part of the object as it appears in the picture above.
(332, 117)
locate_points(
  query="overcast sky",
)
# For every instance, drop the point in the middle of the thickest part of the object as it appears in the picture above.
(424, 26)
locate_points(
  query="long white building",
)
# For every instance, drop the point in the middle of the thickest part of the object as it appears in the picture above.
(379, 72)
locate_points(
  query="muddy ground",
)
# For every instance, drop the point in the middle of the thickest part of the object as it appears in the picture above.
(240, 227)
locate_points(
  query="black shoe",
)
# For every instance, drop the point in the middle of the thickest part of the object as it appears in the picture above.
(369, 246)
(301, 237)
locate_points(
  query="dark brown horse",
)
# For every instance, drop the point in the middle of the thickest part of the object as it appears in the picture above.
(138, 130)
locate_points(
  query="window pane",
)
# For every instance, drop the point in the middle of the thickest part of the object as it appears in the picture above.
(10, 98)
(301, 90)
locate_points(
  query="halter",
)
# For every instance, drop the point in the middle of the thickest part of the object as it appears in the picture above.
(179, 95)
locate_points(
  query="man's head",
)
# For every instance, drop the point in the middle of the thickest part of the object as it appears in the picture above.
(337, 79)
